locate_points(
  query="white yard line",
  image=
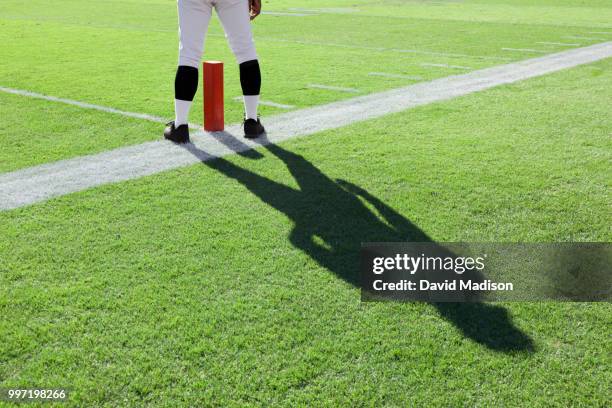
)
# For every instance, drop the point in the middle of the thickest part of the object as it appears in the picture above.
(82, 104)
(600, 32)
(333, 88)
(525, 50)
(86, 105)
(399, 76)
(331, 10)
(264, 38)
(372, 48)
(559, 43)
(577, 37)
(431, 65)
(268, 103)
(286, 14)
(35, 184)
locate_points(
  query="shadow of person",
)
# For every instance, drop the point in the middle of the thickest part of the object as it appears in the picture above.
(333, 217)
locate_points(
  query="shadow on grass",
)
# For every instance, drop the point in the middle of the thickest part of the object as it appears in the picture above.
(331, 220)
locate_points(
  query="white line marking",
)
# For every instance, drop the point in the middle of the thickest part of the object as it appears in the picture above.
(331, 10)
(577, 37)
(400, 76)
(333, 88)
(371, 48)
(559, 43)
(35, 184)
(279, 13)
(600, 32)
(82, 104)
(86, 105)
(525, 50)
(272, 39)
(430, 65)
(268, 103)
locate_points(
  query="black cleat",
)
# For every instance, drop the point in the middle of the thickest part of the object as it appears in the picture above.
(176, 134)
(253, 128)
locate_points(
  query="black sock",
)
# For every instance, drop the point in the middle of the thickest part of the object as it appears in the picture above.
(186, 83)
(250, 77)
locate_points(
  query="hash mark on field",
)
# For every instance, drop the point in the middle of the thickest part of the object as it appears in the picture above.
(333, 88)
(525, 50)
(430, 65)
(559, 43)
(400, 76)
(268, 103)
(28, 186)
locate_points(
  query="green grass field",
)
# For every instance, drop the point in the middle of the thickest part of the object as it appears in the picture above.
(233, 282)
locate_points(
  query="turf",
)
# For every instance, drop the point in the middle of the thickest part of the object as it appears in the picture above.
(232, 282)
(72, 50)
(39, 131)
(568, 13)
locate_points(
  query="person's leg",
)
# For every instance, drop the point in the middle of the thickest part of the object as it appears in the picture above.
(234, 16)
(194, 16)
(250, 81)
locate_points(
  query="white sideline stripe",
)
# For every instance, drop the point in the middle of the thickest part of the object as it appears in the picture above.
(401, 76)
(268, 103)
(431, 65)
(525, 50)
(333, 88)
(35, 184)
(600, 32)
(86, 105)
(559, 43)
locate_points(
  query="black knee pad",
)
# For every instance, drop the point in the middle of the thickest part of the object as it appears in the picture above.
(250, 77)
(186, 83)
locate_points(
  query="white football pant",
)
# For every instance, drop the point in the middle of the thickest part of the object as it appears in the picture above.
(194, 16)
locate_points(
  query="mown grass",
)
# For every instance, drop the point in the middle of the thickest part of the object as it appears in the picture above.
(123, 55)
(231, 283)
